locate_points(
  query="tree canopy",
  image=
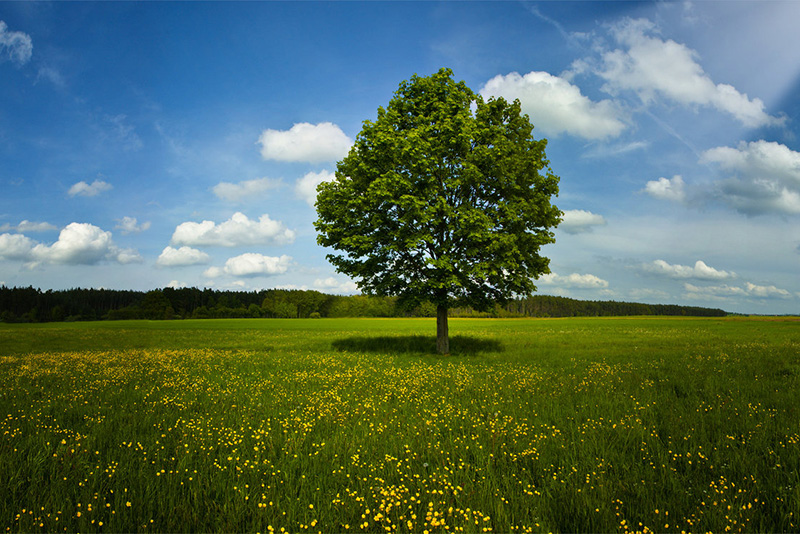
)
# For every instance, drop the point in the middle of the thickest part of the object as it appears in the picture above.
(445, 197)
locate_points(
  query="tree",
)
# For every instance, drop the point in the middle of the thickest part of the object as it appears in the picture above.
(444, 197)
(155, 305)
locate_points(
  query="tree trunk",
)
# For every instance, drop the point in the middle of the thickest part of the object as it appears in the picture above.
(442, 335)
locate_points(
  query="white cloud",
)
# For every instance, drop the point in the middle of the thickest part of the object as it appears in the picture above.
(244, 190)
(329, 282)
(175, 284)
(15, 246)
(16, 46)
(651, 66)
(28, 226)
(556, 106)
(77, 244)
(758, 159)
(251, 264)
(313, 143)
(236, 231)
(700, 271)
(82, 244)
(766, 292)
(179, 257)
(129, 225)
(579, 221)
(764, 177)
(213, 272)
(125, 256)
(306, 187)
(333, 285)
(667, 189)
(89, 190)
(725, 292)
(574, 281)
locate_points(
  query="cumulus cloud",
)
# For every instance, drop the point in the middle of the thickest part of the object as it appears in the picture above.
(672, 189)
(83, 244)
(766, 292)
(180, 257)
(724, 292)
(574, 281)
(312, 143)
(236, 231)
(556, 106)
(760, 177)
(306, 187)
(758, 158)
(244, 190)
(129, 225)
(251, 264)
(579, 221)
(700, 271)
(89, 190)
(213, 272)
(125, 256)
(764, 177)
(15, 246)
(651, 66)
(77, 244)
(14, 45)
(333, 285)
(26, 226)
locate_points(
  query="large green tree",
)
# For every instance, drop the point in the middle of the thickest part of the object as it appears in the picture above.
(446, 197)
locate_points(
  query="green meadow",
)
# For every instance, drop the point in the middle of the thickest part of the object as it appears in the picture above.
(355, 425)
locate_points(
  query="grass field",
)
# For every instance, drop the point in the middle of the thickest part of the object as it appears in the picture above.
(601, 425)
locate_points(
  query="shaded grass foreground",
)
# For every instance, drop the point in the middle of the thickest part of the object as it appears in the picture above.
(548, 425)
(416, 344)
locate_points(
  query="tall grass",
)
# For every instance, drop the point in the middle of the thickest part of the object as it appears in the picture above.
(643, 424)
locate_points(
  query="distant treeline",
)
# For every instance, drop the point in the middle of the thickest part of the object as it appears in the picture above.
(34, 305)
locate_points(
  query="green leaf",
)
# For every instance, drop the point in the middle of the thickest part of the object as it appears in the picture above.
(444, 197)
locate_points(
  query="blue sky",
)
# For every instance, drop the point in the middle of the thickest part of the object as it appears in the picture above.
(152, 144)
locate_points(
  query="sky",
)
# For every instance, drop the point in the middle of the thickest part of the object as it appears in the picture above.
(154, 144)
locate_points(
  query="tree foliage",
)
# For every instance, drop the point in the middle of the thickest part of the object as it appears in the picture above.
(444, 197)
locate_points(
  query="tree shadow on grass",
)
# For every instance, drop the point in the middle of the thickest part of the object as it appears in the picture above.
(416, 344)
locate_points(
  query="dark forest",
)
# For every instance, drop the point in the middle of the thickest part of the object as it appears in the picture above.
(34, 305)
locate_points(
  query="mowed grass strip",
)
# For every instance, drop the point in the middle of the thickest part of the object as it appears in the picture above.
(625, 424)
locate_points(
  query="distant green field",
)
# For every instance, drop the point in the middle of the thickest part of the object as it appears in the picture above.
(348, 425)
